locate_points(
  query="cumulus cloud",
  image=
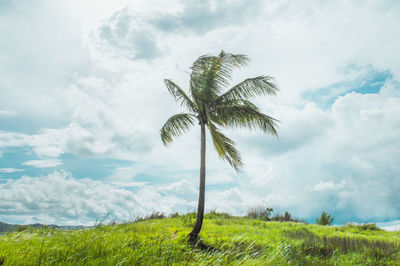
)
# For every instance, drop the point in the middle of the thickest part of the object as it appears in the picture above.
(337, 146)
(350, 169)
(201, 17)
(346, 165)
(135, 36)
(59, 198)
(361, 79)
(98, 126)
(125, 34)
(183, 189)
(12, 139)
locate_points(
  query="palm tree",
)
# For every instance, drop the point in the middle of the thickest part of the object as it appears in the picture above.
(212, 108)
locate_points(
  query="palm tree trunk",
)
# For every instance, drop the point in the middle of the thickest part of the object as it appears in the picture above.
(193, 236)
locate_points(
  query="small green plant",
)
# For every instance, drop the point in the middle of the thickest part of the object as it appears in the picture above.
(325, 219)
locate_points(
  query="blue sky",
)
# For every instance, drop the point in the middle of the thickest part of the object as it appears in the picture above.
(82, 100)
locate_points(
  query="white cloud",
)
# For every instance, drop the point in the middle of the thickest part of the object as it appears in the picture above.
(321, 186)
(128, 34)
(183, 189)
(10, 170)
(107, 99)
(391, 89)
(59, 198)
(11, 139)
(45, 163)
(351, 169)
(5, 113)
(390, 226)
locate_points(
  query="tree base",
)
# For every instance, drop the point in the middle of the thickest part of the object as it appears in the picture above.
(196, 242)
(193, 238)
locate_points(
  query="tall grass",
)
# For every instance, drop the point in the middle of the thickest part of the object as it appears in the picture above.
(225, 240)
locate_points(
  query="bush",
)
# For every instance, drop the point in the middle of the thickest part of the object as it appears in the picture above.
(325, 219)
(213, 214)
(152, 216)
(174, 215)
(21, 228)
(286, 217)
(260, 212)
(369, 227)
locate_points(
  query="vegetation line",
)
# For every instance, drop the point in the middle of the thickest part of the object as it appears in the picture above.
(226, 240)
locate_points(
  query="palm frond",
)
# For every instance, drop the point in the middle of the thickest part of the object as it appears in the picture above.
(232, 102)
(237, 60)
(180, 95)
(207, 103)
(262, 85)
(211, 74)
(225, 147)
(245, 115)
(175, 126)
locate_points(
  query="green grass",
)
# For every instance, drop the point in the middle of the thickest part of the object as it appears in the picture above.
(229, 241)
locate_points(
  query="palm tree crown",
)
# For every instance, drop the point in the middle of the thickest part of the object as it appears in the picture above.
(211, 106)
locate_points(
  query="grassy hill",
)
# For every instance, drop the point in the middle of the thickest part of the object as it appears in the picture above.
(226, 240)
(5, 227)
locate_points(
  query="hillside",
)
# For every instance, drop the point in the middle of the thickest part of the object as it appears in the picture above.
(226, 241)
(5, 227)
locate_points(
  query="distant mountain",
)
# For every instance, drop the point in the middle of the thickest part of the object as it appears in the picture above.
(5, 227)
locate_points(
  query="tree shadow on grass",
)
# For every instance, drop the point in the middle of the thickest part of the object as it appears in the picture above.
(204, 246)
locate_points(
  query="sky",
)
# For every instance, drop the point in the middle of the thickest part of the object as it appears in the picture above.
(82, 101)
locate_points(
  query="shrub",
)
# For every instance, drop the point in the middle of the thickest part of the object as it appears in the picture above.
(286, 217)
(213, 214)
(153, 215)
(325, 219)
(260, 212)
(369, 227)
(174, 215)
(21, 228)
